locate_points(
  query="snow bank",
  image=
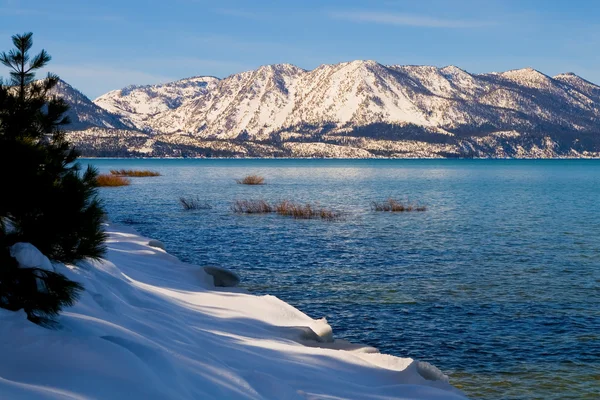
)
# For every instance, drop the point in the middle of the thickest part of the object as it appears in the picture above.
(28, 256)
(151, 327)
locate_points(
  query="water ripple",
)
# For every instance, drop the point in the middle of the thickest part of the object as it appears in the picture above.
(497, 284)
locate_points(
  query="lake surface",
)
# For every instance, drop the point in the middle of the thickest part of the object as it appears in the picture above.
(497, 283)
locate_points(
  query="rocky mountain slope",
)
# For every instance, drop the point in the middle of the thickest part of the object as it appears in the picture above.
(138, 105)
(84, 113)
(354, 109)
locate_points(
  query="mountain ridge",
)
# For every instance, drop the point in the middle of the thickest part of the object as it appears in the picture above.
(84, 113)
(354, 107)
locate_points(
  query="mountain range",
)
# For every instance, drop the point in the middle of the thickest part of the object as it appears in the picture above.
(352, 109)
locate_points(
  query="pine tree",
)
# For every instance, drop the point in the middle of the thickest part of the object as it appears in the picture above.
(46, 199)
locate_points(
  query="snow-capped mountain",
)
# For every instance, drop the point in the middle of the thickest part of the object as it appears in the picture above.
(362, 109)
(84, 113)
(139, 105)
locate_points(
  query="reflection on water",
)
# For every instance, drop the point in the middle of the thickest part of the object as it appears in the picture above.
(497, 284)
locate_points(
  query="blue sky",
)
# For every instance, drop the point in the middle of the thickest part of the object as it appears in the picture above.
(99, 46)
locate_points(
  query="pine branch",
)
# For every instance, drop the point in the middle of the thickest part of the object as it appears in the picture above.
(58, 211)
(39, 61)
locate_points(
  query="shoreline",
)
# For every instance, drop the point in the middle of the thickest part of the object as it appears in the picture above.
(151, 326)
(348, 158)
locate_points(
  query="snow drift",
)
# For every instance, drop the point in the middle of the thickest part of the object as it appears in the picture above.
(151, 327)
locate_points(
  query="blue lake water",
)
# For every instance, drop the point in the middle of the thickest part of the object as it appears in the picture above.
(497, 283)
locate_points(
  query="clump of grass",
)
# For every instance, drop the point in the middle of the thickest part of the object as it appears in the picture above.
(136, 173)
(108, 180)
(285, 208)
(306, 211)
(251, 180)
(194, 203)
(251, 207)
(392, 205)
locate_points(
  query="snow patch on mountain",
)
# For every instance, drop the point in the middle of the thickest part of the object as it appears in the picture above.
(140, 104)
(83, 113)
(447, 106)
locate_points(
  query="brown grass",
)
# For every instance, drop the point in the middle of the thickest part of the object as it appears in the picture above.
(108, 180)
(251, 180)
(194, 203)
(251, 207)
(285, 208)
(136, 173)
(306, 211)
(392, 205)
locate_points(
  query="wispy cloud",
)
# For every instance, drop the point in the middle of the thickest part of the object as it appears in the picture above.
(240, 43)
(197, 65)
(24, 12)
(406, 19)
(246, 14)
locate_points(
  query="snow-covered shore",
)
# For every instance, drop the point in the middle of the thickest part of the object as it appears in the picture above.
(151, 327)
